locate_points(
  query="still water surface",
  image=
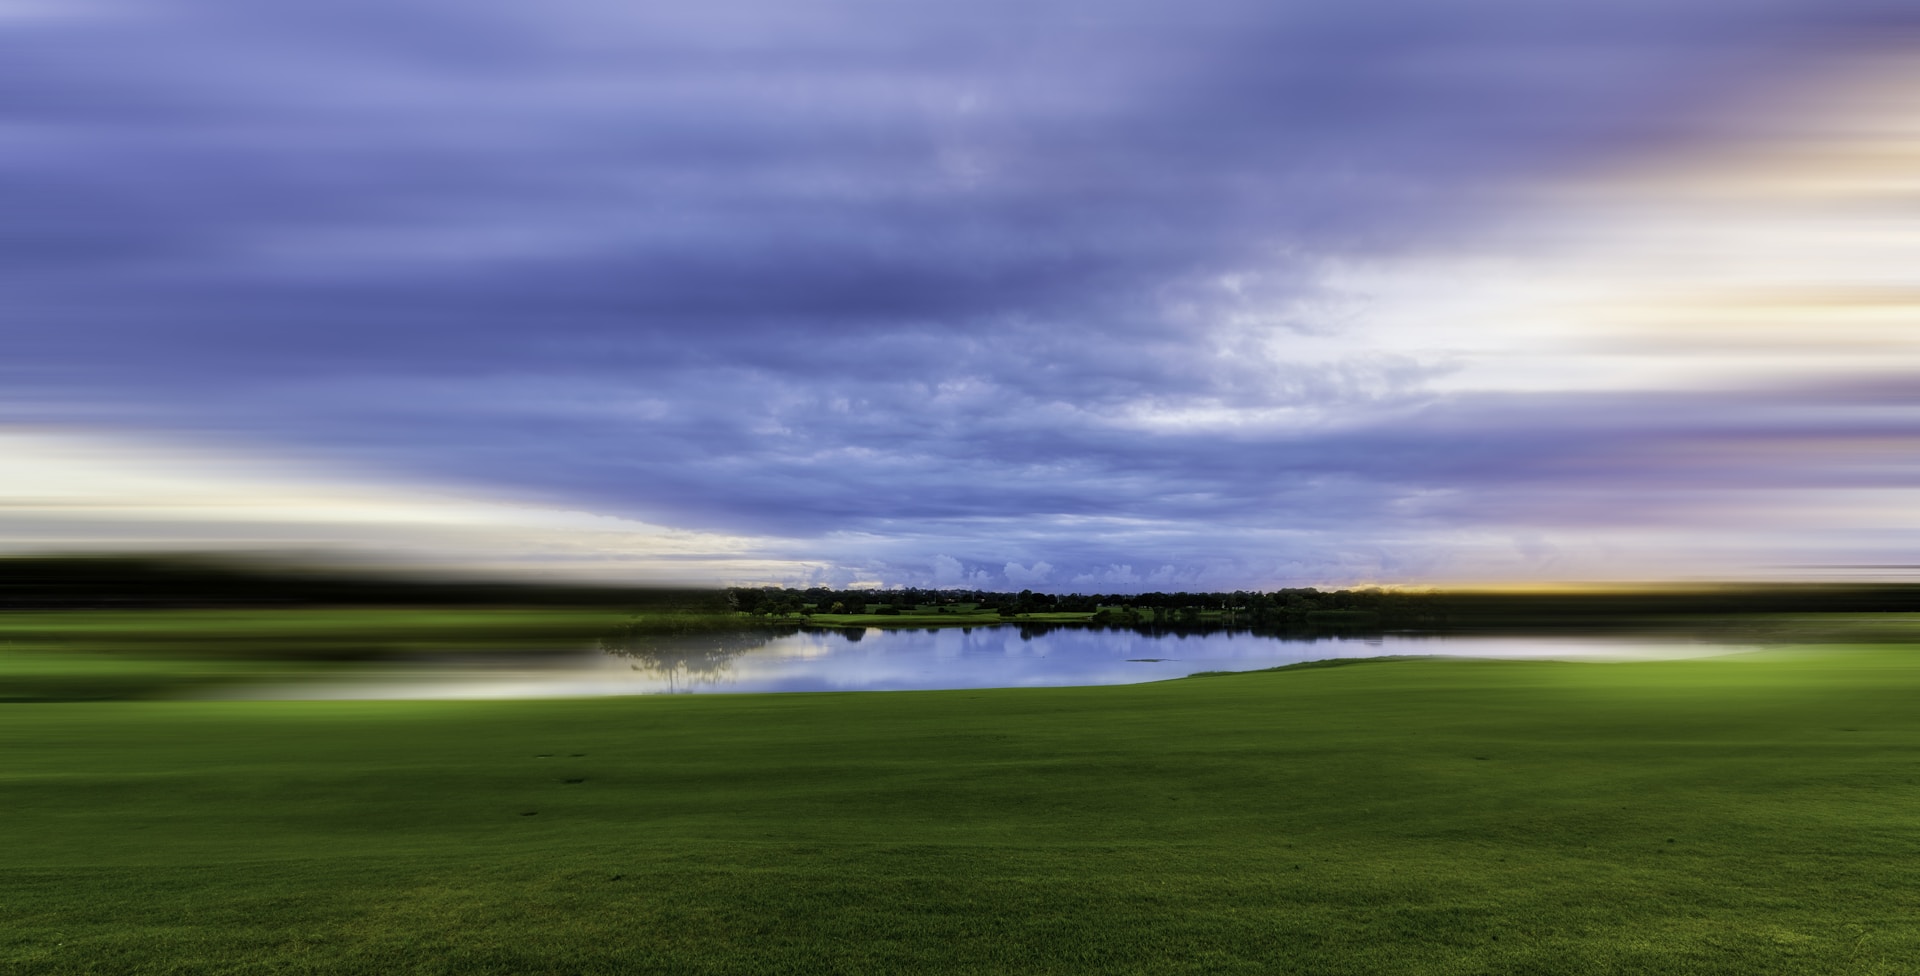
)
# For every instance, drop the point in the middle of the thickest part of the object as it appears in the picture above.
(976, 657)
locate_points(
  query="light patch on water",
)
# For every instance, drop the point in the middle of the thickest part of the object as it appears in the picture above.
(982, 657)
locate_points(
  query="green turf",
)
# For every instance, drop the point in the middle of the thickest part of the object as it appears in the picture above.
(118, 654)
(1739, 816)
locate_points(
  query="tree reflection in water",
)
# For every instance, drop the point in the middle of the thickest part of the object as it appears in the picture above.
(687, 659)
(691, 651)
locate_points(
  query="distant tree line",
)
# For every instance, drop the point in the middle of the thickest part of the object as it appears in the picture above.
(142, 581)
(1243, 606)
(1368, 608)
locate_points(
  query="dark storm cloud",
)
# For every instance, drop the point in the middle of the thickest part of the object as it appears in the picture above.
(807, 269)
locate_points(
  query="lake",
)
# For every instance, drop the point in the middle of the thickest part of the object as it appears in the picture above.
(1010, 656)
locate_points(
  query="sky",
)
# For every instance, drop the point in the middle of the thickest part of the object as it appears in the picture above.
(1111, 296)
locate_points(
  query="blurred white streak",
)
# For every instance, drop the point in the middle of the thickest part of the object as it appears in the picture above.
(1762, 284)
(66, 491)
(1786, 250)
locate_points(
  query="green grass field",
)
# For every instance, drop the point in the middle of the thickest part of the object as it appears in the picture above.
(121, 654)
(1744, 815)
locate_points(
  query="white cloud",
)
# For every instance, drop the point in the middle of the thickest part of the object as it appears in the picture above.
(948, 571)
(1028, 576)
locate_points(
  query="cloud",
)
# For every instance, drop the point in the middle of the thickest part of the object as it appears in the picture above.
(904, 295)
(1121, 577)
(1025, 577)
(948, 571)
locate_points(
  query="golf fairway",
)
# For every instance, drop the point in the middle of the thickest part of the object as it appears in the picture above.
(1756, 813)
